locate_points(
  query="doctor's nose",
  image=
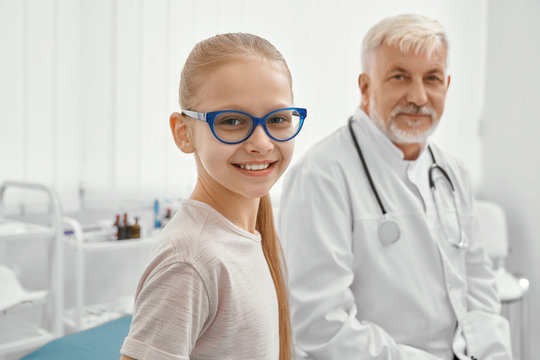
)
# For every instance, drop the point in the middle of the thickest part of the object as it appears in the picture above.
(259, 141)
(416, 93)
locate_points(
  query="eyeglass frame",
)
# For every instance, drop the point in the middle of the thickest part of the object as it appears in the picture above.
(209, 117)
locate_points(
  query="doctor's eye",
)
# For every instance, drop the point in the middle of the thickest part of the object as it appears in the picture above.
(434, 78)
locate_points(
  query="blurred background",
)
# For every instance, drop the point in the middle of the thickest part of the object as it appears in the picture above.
(87, 86)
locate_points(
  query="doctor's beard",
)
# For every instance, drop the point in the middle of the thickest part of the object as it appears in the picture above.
(399, 135)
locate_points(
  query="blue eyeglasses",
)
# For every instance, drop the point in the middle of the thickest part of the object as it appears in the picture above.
(233, 127)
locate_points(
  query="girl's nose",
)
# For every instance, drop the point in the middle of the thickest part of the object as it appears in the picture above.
(259, 141)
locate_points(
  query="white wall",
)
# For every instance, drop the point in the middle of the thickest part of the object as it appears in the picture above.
(40, 135)
(511, 127)
(87, 86)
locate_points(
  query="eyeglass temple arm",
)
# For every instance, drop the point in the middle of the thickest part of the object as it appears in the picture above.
(195, 114)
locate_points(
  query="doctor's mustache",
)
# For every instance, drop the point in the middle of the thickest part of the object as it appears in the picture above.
(414, 109)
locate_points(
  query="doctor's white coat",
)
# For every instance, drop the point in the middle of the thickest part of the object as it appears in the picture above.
(353, 297)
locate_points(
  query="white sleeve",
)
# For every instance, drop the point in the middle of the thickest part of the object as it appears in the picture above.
(315, 224)
(171, 310)
(485, 331)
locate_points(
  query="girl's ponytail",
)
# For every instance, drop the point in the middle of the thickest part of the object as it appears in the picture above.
(274, 257)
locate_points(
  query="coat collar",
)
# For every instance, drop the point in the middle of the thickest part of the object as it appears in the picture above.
(379, 143)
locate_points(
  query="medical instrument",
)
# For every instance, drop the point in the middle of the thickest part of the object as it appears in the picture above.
(389, 231)
(157, 223)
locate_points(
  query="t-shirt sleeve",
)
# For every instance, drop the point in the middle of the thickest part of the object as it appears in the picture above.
(171, 311)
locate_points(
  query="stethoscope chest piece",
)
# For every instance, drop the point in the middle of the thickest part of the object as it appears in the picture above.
(389, 232)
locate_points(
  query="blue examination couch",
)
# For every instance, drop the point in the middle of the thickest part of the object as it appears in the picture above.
(100, 343)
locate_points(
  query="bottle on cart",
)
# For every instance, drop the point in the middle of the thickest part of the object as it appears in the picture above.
(122, 231)
(136, 229)
(116, 226)
(127, 226)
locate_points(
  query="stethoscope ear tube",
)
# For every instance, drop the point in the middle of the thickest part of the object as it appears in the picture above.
(434, 167)
(462, 243)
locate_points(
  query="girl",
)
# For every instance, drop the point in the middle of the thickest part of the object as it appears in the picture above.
(215, 288)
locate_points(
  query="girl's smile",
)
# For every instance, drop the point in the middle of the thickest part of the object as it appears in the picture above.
(256, 168)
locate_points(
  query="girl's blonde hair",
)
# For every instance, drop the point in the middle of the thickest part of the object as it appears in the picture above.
(205, 57)
(408, 32)
(209, 54)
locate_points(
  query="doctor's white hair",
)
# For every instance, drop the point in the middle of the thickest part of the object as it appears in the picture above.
(408, 32)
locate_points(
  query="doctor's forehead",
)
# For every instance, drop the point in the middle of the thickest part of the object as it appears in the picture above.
(386, 58)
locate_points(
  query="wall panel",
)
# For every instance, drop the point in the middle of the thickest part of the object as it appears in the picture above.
(180, 167)
(13, 37)
(97, 93)
(127, 164)
(67, 143)
(41, 123)
(154, 97)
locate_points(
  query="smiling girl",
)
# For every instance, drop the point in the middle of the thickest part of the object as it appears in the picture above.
(215, 287)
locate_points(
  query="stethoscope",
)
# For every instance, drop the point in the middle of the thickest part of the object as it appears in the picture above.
(389, 231)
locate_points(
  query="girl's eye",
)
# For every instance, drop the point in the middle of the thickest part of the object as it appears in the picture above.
(277, 120)
(231, 121)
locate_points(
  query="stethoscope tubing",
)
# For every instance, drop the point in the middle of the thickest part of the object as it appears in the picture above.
(370, 179)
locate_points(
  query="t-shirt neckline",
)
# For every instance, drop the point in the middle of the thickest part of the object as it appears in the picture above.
(216, 214)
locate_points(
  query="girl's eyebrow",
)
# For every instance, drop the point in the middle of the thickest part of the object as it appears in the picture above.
(242, 108)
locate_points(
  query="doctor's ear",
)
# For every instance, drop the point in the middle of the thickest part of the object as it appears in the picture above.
(181, 133)
(364, 83)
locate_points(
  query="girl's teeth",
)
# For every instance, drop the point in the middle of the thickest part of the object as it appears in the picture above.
(254, 166)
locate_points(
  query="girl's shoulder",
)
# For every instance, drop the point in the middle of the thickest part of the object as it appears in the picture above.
(200, 236)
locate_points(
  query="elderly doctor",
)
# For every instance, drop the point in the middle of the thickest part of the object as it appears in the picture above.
(376, 221)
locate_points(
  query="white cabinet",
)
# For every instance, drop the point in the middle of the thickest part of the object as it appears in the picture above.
(101, 276)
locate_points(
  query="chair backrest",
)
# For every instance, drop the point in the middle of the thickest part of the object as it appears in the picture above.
(490, 229)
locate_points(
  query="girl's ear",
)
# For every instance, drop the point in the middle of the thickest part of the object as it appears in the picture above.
(180, 131)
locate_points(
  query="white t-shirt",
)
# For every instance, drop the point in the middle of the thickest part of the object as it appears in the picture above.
(206, 294)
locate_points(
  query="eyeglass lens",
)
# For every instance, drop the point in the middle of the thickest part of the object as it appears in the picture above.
(234, 126)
